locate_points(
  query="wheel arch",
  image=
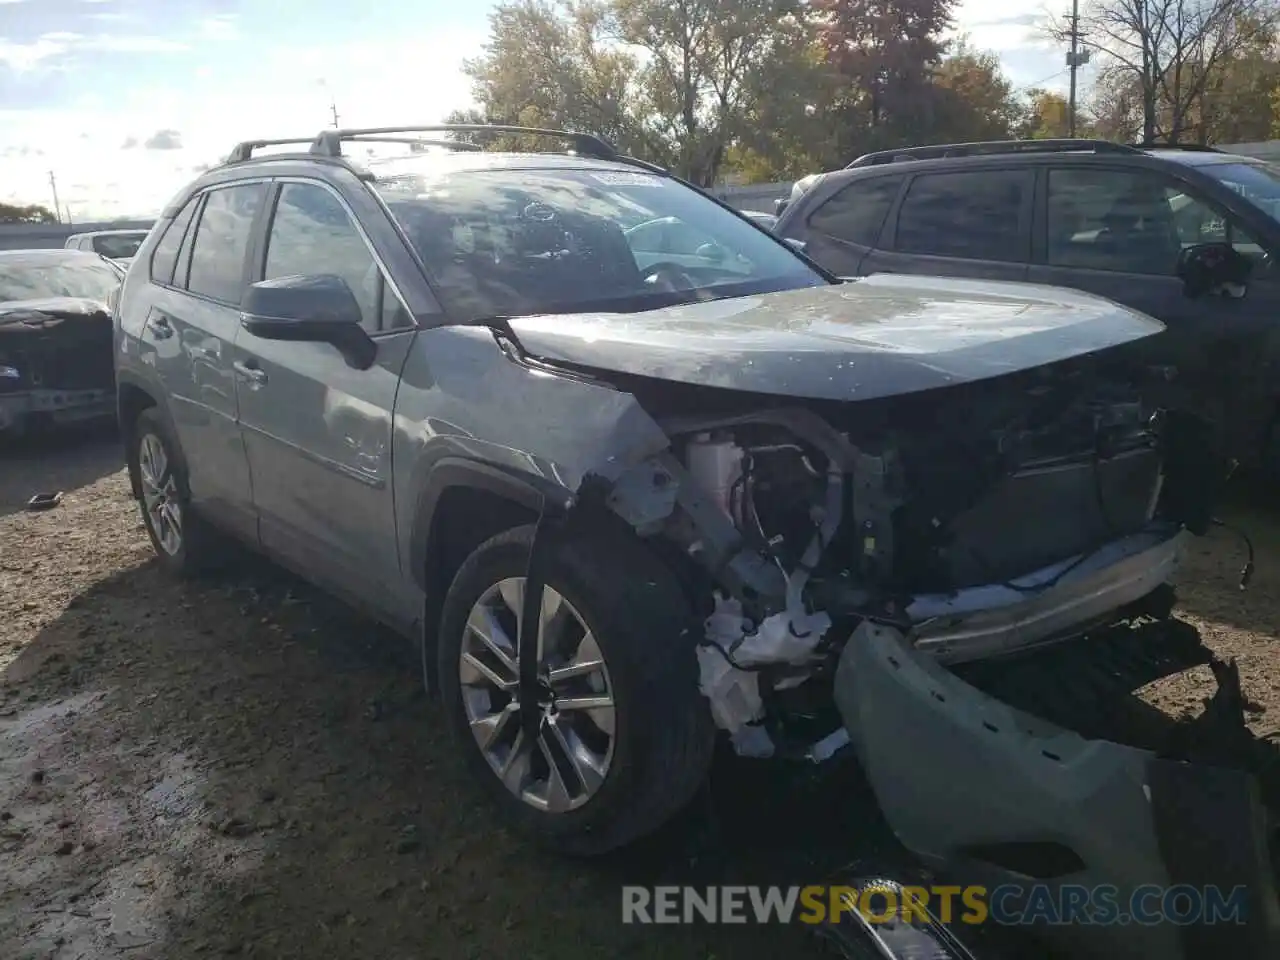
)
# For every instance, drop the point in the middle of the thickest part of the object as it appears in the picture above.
(461, 504)
(133, 395)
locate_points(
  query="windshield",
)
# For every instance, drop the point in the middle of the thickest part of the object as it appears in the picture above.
(502, 243)
(1257, 182)
(40, 279)
(118, 246)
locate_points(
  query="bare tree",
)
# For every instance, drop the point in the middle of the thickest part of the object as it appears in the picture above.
(1168, 51)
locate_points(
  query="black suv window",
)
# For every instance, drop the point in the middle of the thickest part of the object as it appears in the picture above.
(165, 255)
(973, 215)
(1130, 221)
(221, 241)
(856, 213)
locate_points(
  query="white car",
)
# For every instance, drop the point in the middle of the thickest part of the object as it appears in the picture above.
(117, 245)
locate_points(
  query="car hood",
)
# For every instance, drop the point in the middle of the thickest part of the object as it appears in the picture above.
(874, 337)
(48, 311)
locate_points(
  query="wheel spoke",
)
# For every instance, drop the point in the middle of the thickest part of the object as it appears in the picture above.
(599, 702)
(486, 628)
(488, 730)
(487, 672)
(579, 668)
(514, 771)
(558, 796)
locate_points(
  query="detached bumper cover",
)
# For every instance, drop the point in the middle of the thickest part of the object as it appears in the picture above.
(971, 784)
(989, 620)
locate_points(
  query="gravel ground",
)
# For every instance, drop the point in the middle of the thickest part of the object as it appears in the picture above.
(243, 767)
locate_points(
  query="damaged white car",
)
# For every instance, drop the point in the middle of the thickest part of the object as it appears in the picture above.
(629, 504)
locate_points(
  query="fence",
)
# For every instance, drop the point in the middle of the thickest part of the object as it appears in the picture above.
(27, 236)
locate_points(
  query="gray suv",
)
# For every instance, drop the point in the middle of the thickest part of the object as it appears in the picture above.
(1107, 218)
(629, 501)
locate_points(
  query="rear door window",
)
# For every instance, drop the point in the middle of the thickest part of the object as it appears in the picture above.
(971, 215)
(222, 242)
(165, 255)
(856, 213)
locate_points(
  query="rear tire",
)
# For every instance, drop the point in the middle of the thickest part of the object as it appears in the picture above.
(185, 544)
(624, 607)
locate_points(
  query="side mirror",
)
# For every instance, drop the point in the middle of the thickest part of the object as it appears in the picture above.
(796, 244)
(315, 309)
(1219, 268)
(712, 252)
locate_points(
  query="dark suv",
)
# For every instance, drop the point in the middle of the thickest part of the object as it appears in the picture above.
(1107, 218)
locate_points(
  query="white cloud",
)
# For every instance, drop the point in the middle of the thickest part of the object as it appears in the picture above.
(212, 108)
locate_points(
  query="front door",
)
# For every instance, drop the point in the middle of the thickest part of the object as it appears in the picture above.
(968, 223)
(317, 431)
(199, 276)
(1117, 232)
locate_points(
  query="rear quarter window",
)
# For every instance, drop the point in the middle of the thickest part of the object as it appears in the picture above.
(856, 213)
(165, 256)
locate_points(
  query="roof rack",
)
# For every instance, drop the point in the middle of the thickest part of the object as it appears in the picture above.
(244, 151)
(989, 147)
(328, 143)
(1191, 147)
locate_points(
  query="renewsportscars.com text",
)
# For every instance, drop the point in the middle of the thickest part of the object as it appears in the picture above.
(1010, 905)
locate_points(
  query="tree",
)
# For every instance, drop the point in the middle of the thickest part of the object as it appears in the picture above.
(971, 98)
(1171, 50)
(676, 82)
(29, 213)
(885, 51)
(1046, 117)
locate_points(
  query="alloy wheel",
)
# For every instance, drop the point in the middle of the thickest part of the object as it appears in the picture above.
(550, 739)
(160, 494)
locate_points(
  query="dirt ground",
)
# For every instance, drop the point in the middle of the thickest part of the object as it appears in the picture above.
(243, 767)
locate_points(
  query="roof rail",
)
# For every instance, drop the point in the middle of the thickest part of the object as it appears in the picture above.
(989, 147)
(328, 143)
(1191, 147)
(244, 151)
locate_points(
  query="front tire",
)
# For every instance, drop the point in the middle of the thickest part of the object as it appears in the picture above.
(183, 542)
(622, 737)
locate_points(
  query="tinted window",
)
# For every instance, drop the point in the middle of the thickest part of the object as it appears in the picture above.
(1131, 221)
(312, 233)
(972, 215)
(221, 241)
(165, 254)
(856, 213)
(118, 246)
(504, 243)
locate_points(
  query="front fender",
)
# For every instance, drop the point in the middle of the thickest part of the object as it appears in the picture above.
(533, 493)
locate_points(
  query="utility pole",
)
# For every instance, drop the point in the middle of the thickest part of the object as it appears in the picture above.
(57, 208)
(1077, 57)
(333, 108)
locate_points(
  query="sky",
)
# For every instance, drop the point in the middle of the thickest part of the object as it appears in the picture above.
(126, 100)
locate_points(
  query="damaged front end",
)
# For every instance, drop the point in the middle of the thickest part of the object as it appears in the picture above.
(55, 362)
(931, 577)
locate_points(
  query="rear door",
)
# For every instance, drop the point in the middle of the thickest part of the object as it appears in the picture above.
(1118, 231)
(843, 227)
(318, 432)
(962, 223)
(198, 276)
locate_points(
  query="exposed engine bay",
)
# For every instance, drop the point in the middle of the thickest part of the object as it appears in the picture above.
(926, 512)
(55, 361)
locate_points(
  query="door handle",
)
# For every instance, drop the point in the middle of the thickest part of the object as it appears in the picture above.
(161, 329)
(254, 375)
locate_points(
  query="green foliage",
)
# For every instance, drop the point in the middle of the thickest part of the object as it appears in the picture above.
(31, 213)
